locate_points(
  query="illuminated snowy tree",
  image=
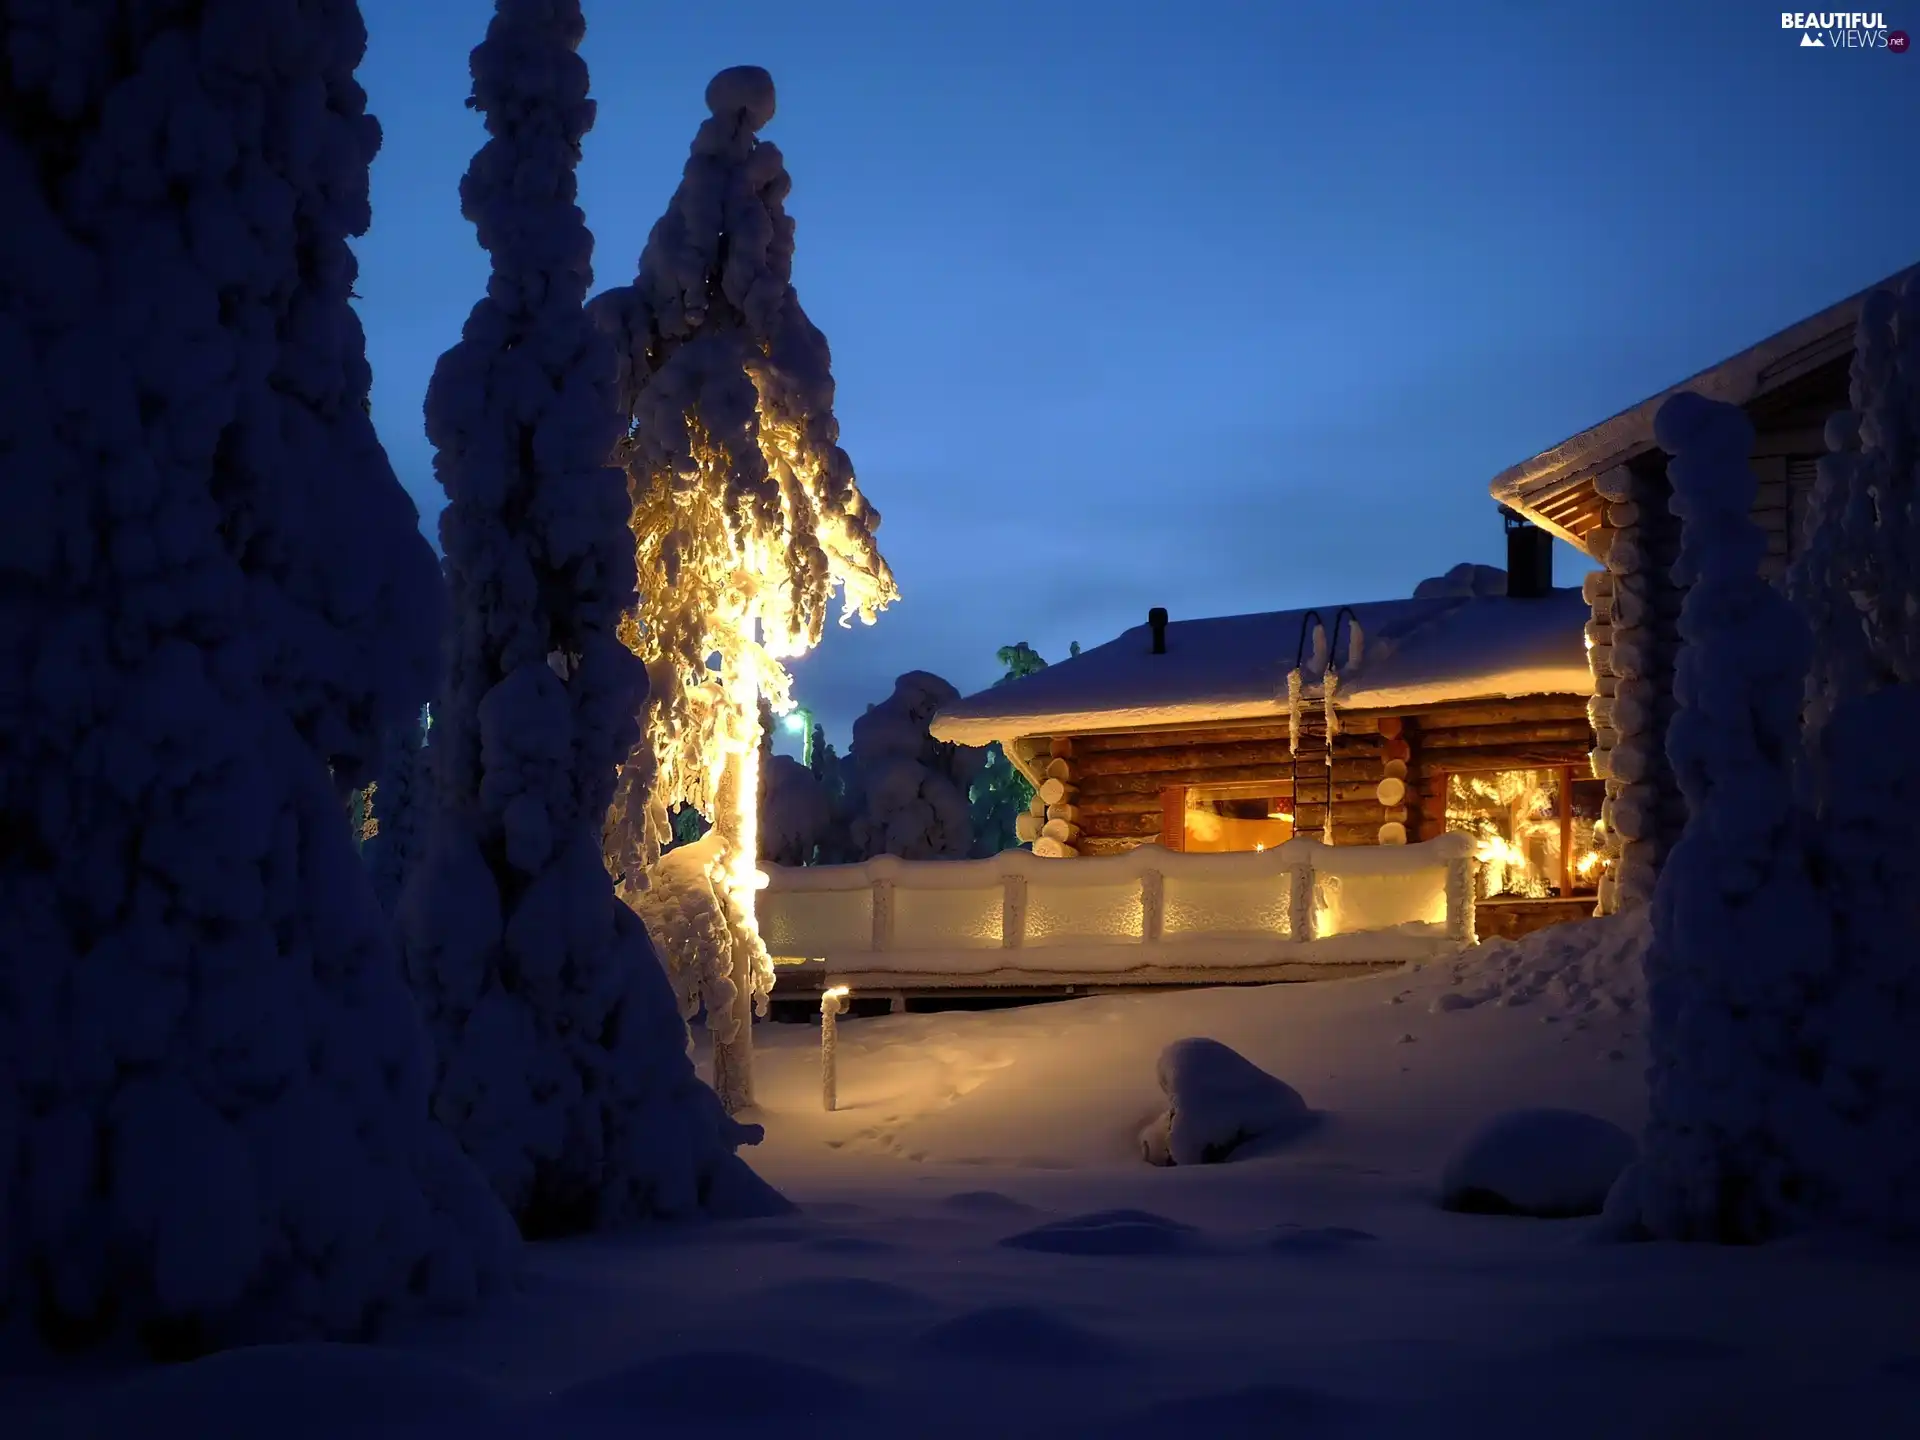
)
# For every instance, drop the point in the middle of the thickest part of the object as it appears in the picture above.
(213, 596)
(562, 1060)
(746, 518)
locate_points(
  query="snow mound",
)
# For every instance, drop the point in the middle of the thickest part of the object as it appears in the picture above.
(1465, 581)
(843, 1295)
(1584, 968)
(1317, 1239)
(699, 1388)
(1262, 1410)
(1018, 1335)
(288, 1391)
(987, 1202)
(1106, 1232)
(1550, 1164)
(1217, 1100)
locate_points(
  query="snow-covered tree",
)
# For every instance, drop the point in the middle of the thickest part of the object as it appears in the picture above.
(1858, 573)
(1000, 794)
(1021, 660)
(213, 597)
(746, 517)
(562, 1060)
(398, 805)
(1741, 938)
(796, 812)
(909, 790)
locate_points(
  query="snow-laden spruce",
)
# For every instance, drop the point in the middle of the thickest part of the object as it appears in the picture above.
(746, 518)
(796, 812)
(213, 1083)
(1740, 935)
(1858, 575)
(400, 798)
(562, 1060)
(909, 792)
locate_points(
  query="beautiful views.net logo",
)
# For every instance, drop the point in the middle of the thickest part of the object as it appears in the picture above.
(1843, 30)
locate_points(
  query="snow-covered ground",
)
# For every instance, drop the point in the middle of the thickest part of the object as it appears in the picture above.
(1310, 1287)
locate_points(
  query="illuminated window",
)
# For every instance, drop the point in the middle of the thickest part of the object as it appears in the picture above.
(1515, 816)
(1236, 818)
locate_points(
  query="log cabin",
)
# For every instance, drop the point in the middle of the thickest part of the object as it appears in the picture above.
(1606, 491)
(1462, 708)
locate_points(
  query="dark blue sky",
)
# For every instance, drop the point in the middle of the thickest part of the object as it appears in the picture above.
(1222, 307)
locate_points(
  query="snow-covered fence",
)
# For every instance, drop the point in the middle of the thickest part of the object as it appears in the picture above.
(1148, 914)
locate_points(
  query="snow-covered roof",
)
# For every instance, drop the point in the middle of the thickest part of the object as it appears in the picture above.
(1413, 652)
(1540, 487)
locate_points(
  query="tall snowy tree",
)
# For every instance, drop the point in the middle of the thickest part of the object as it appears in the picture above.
(746, 517)
(397, 821)
(1741, 938)
(1859, 565)
(909, 790)
(213, 596)
(562, 1060)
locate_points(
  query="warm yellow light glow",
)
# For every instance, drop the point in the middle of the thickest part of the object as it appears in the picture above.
(1589, 862)
(835, 992)
(761, 880)
(1258, 848)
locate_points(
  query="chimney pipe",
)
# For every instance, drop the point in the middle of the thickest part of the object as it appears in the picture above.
(1157, 621)
(1529, 557)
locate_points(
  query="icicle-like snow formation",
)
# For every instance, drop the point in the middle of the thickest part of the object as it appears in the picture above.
(213, 1083)
(1740, 937)
(745, 510)
(563, 1066)
(1329, 686)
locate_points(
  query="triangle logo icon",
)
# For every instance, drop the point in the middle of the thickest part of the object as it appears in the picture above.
(1812, 42)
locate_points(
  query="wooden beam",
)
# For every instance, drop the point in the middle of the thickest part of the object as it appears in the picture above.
(1095, 788)
(1161, 737)
(1173, 818)
(1437, 742)
(1542, 756)
(1456, 713)
(1203, 758)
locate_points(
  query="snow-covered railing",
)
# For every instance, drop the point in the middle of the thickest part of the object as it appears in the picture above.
(1146, 909)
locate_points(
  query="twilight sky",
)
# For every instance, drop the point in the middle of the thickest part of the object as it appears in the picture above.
(1219, 306)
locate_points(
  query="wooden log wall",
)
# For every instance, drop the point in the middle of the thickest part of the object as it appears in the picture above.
(1108, 793)
(1643, 806)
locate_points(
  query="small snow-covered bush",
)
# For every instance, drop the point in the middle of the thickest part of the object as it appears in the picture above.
(1545, 1163)
(1217, 1100)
